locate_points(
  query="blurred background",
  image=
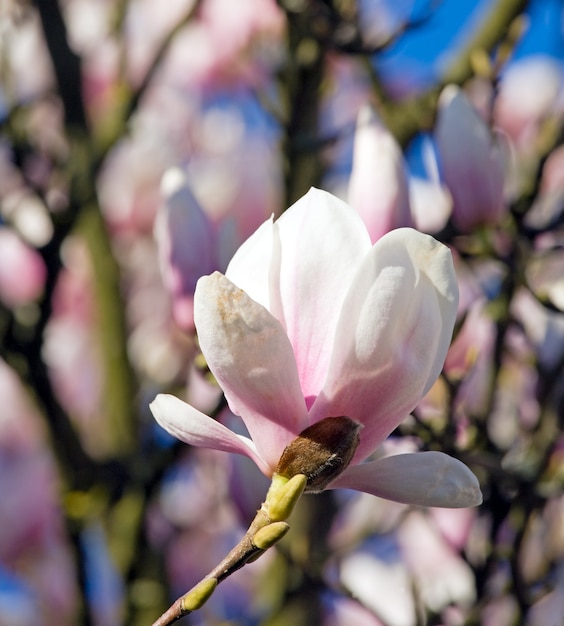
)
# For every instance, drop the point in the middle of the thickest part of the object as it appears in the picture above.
(141, 143)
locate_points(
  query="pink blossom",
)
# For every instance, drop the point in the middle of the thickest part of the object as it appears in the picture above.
(441, 576)
(224, 43)
(528, 94)
(295, 332)
(186, 241)
(22, 271)
(430, 200)
(378, 186)
(552, 181)
(472, 163)
(470, 360)
(345, 611)
(549, 201)
(27, 59)
(383, 586)
(193, 241)
(381, 190)
(431, 204)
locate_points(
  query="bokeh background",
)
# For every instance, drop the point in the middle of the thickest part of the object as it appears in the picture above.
(141, 143)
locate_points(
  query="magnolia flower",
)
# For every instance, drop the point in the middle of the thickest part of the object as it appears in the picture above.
(528, 93)
(378, 186)
(472, 163)
(24, 284)
(194, 239)
(186, 244)
(312, 321)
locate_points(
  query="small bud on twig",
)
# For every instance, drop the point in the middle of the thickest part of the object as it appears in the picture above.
(266, 537)
(198, 595)
(283, 496)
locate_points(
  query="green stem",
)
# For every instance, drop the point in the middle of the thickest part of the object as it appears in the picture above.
(266, 529)
(119, 385)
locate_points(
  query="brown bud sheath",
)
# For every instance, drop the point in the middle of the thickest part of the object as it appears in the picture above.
(321, 452)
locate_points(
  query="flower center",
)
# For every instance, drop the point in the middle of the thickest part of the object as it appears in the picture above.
(321, 452)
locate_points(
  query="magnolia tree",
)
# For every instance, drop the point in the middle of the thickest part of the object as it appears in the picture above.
(226, 225)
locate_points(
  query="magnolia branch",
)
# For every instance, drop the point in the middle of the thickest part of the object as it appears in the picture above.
(266, 529)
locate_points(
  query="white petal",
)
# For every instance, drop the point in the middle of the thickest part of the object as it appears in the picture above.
(322, 241)
(421, 478)
(255, 266)
(248, 352)
(196, 429)
(393, 335)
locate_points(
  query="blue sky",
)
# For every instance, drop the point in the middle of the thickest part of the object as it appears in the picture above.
(420, 53)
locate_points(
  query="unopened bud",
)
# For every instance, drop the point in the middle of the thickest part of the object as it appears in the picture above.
(266, 537)
(283, 496)
(321, 452)
(198, 595)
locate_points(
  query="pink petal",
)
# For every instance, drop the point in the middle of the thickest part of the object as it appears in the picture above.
(185, 242)
(393, 335)
(472, 164)
(22, 270)
(421, 479)
(378, 187)
(196, 429)
(323, 241)
(249, 353)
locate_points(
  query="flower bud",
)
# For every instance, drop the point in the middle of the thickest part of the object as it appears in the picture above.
(266, 537)
(283, 496)
(198, 595)
(321, 452)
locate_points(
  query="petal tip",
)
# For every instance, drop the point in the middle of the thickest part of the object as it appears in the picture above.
(472, 495)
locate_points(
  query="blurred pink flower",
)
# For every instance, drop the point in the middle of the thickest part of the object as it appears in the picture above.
(552, 181)
(128, 184)
(470, 360)
(472, 164)
(528, 93)
(295, 333)
(22, 270)
(543, 328)
(193, 243)
(186, 243)
(346, 611)
(223, 43)
(243, 37)
(378, 186)
(544, 213)
(454, 525)
(383, 586)
(440, 575)
(27, 58)
(430, 200)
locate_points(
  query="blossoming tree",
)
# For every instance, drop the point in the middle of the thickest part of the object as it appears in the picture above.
(231, 225)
